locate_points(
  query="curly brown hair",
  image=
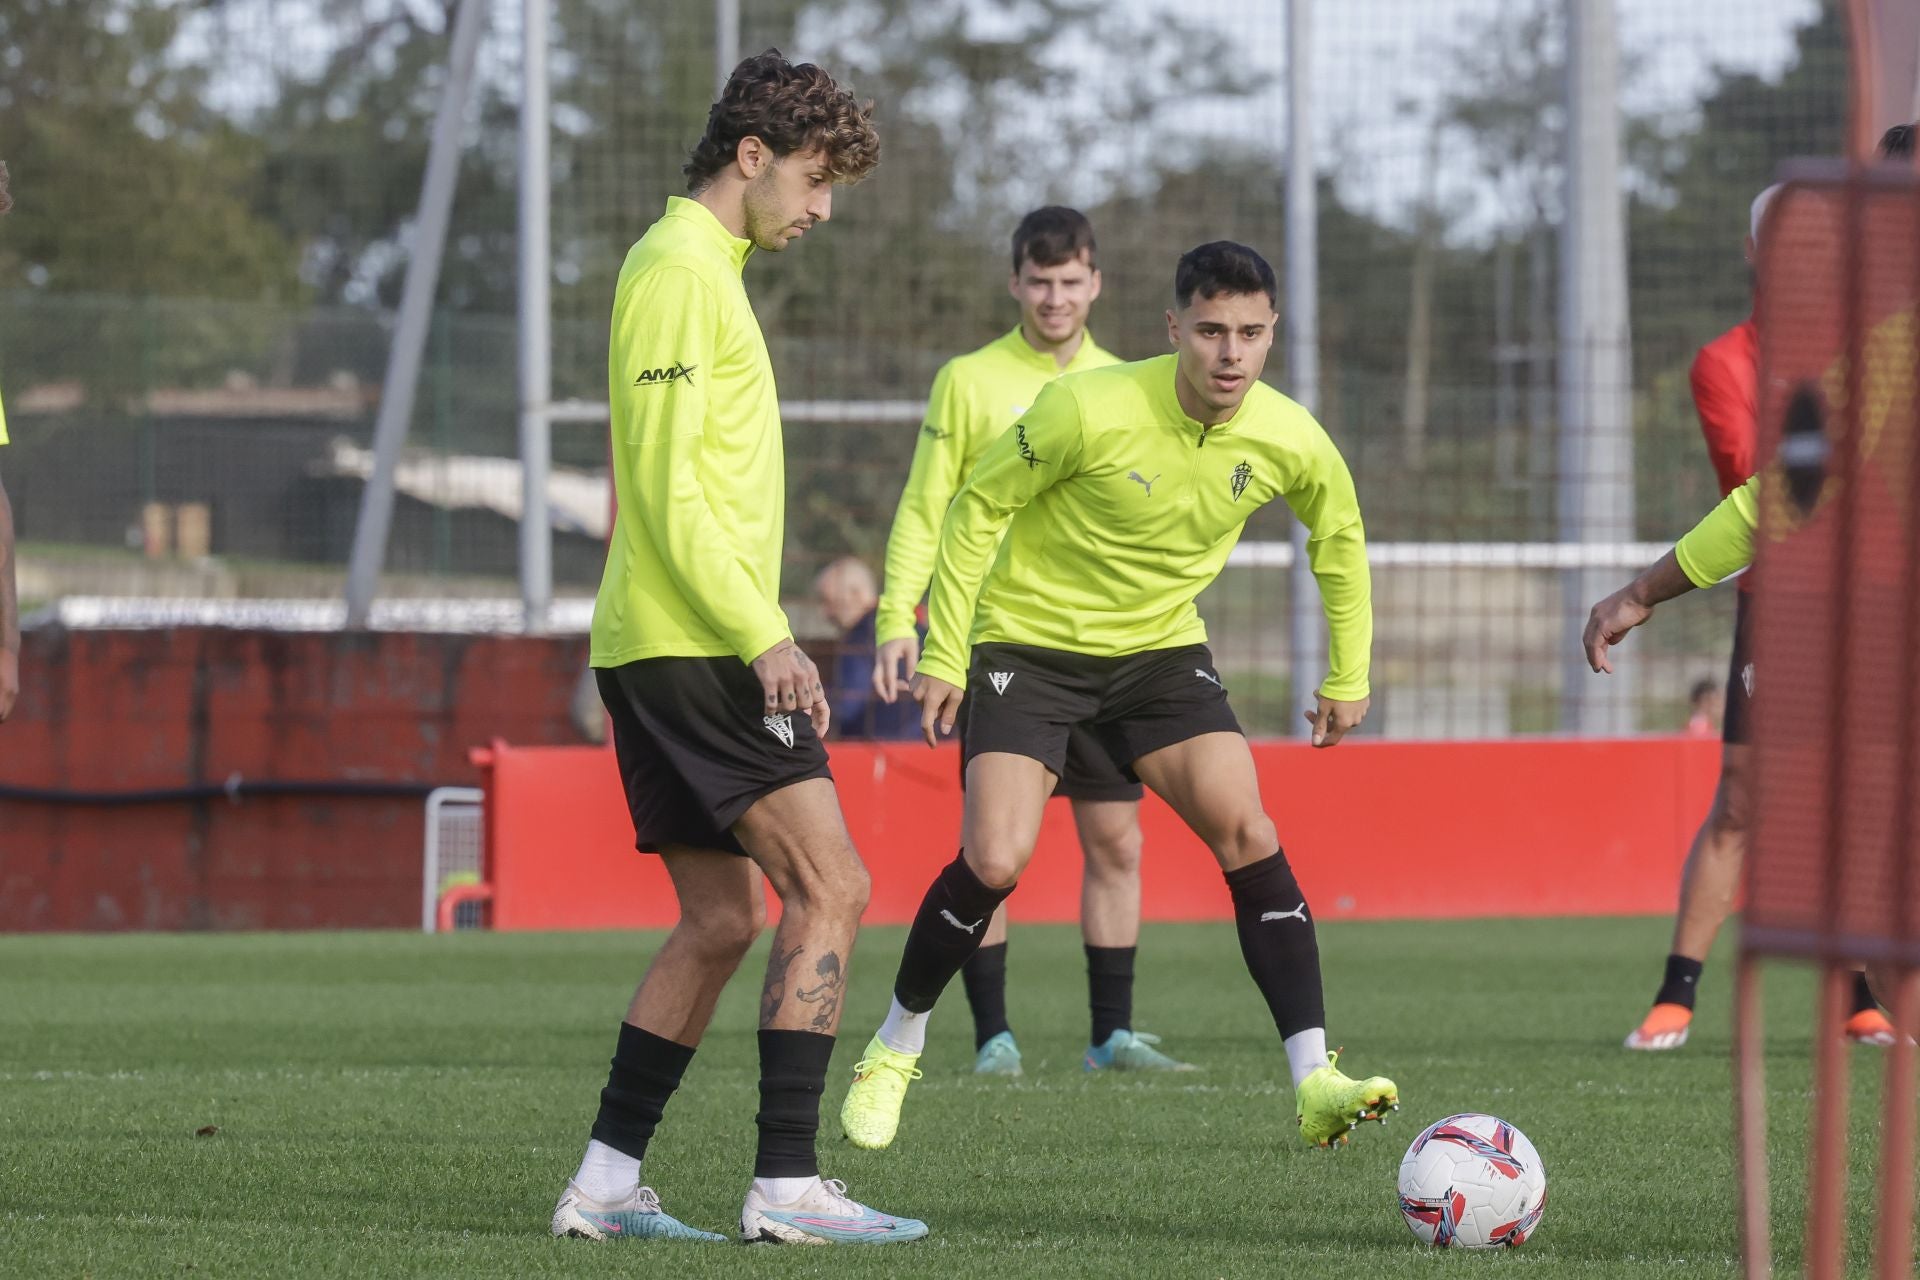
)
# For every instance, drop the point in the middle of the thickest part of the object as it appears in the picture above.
(790, 108)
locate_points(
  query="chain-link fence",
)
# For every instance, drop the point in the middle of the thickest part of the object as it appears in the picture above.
(198, 311)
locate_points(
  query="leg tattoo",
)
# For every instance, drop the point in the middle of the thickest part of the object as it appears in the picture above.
(774, 994)
(827, 994)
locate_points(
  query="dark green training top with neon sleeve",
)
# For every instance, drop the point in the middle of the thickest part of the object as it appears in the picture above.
(693, 567)
(1119, 509)
(975, 397)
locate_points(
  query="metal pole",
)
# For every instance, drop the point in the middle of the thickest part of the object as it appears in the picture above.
(1894, 1250)
(416, 311)
(726, 42)
(1750, 1117)
(1304, 621)
(1596, 381)
(1827, 1169)
(534, 330)
(1540, 433)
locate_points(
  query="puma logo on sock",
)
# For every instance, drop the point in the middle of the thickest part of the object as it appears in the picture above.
(968, 928)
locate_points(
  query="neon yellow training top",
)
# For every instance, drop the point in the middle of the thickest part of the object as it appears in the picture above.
(693, 567)
(1722, 544)
(3, 424)
(975, 397)
(1119, 509)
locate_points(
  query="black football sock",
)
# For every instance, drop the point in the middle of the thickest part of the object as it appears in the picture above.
(1682, 982)
(1863, 994)
(1277, 939)
(985, 976)
(793, 1075)
(1110, 991)
(646, 1070)
(948, 928)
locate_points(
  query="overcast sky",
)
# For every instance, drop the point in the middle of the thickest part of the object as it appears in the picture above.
(1379, 67)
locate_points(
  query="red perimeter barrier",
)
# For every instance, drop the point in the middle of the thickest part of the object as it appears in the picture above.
(165, 711)
(1375, 830)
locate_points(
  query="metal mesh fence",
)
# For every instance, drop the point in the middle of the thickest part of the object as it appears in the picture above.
(192, 360)
(200, 269)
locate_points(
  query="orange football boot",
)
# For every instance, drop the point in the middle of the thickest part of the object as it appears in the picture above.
(1664, 1027)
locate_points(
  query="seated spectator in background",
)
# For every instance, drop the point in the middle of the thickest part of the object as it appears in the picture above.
(849, 596)
(1706, 702)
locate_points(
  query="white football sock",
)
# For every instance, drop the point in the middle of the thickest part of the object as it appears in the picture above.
(606, 1174)
(784, 1190)
(1306, 1052)
(904, 1032)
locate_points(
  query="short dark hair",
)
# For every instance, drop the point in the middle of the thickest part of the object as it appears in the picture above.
(1897, 143)
(1223, 267)
(1703, 687)
(790, 108)
(1052, 235)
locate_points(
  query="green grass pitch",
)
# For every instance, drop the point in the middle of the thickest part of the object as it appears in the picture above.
(391, 1105)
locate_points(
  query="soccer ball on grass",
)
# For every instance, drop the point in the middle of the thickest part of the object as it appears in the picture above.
(1472, 1182)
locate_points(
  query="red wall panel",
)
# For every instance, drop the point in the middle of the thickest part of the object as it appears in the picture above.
(1375, 830)
(137, 710)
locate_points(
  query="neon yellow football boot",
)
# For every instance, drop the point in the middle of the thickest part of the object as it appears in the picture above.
(871, 1114)
(1328, 1103)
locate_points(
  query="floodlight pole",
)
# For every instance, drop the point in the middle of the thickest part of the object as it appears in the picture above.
(1595, 361)
(534, 330)
(416, 313)
(1308, 655)
(726, 42)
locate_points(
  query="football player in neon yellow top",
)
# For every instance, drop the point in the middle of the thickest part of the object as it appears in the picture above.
(1120, 494)
(715, 714)
(9, 598)
(976, 398)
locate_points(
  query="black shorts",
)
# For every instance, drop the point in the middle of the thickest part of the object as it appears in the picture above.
(696, 748)
(1735, 717)
(1027, 701)
(1088, 774)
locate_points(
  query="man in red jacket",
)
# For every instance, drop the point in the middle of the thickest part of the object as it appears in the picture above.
(1725, 379)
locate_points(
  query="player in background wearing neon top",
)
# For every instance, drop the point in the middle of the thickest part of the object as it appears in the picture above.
(716, 715)
(1063, 594)
(9, 593)
(1725, 380)
(976, 397)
